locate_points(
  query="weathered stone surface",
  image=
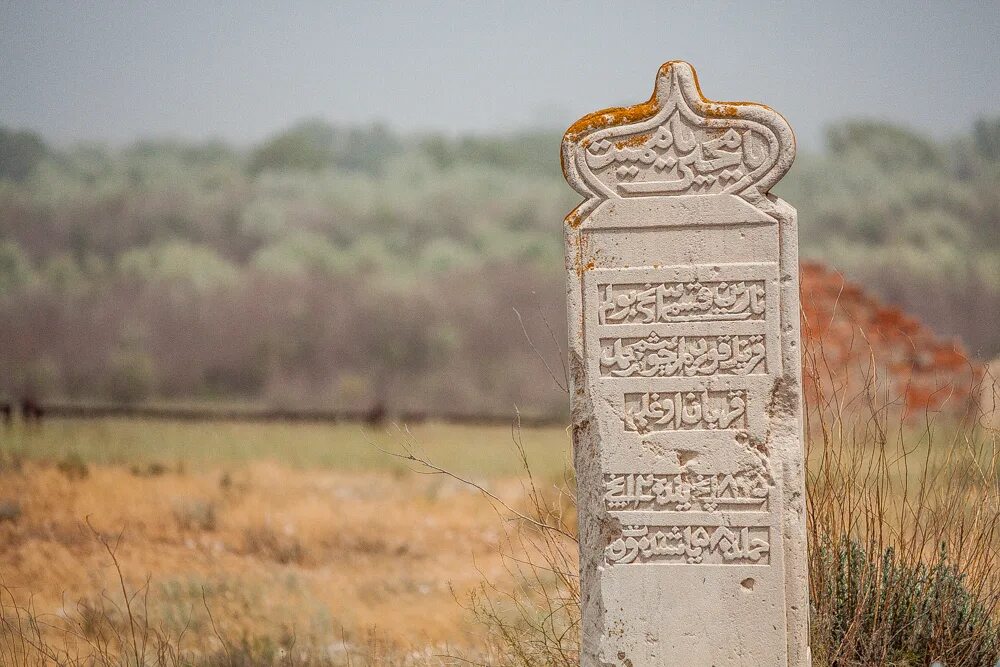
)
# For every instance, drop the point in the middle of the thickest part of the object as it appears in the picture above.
(684, 344)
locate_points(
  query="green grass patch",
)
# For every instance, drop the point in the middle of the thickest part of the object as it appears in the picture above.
(475, 450)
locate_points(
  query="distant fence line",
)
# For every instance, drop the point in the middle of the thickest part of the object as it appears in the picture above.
(99, 411)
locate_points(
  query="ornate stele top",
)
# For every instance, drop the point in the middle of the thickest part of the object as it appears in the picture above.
(679, 144)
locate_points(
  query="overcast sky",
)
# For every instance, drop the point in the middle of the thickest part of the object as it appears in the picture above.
(240, 70)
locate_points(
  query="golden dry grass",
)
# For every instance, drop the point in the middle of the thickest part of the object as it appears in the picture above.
(349, 554)
(325, 557)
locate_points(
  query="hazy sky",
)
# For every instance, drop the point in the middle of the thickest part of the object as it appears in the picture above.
(240, 70)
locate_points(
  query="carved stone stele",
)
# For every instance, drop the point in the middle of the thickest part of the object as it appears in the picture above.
(684, 342)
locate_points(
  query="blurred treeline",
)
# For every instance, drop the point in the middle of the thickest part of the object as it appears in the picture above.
(354, 267)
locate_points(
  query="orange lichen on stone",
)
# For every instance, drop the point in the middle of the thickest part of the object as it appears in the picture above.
(623, 116)
(850, 335)
(611, 118)
(581, 263)
(722, 110)
(574, 218)
(633, 141)
(618, 116)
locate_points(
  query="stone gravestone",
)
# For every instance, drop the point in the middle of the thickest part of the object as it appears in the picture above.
(684, 345)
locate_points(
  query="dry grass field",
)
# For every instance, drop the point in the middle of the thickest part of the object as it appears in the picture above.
(259, 536)
(260, 544)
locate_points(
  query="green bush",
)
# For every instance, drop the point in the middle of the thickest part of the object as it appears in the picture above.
(15, 266)
(20, 153)
(883, 611)
(73, 466)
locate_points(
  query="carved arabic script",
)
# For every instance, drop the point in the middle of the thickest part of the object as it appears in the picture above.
(684, 492)
(680, 302)
(678, 158)
(670, 356)
(690, 544)
(676, 411)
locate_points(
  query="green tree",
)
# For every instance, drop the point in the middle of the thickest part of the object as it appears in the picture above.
(20, 153)
(301, 254)
(311, 145)
(308, 146)
(986, 135)
(15, 266)
(889, 146)
(179, 262)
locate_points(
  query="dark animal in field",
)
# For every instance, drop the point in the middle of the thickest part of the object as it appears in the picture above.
(6, 413)
(31, 410)
(376, 414)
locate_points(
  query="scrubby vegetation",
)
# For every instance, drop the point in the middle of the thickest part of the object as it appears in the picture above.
(349, 267)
